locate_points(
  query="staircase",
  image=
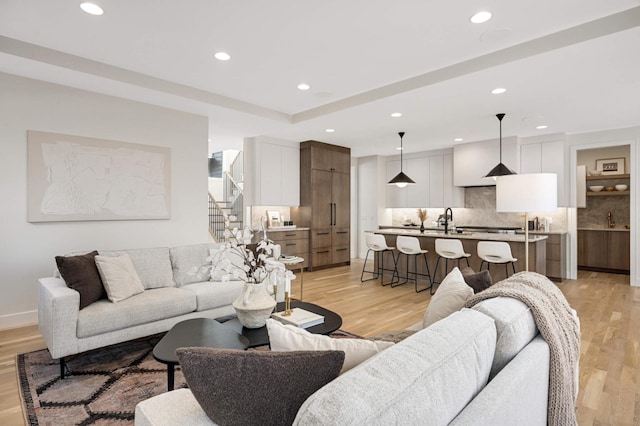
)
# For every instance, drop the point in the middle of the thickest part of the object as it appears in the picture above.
(228, 212)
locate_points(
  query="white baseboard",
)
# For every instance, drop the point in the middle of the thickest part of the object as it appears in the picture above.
(18, 320)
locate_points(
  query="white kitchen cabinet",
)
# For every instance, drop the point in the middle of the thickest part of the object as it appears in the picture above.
(271, 172)
(418, 170)
(453, 195)
(546, 157)
(436, 181)
(472, 161)
(433, 174)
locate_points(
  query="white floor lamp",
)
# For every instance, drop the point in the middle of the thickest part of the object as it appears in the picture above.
(534, 192)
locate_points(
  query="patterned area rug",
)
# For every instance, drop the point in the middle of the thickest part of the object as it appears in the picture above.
(102, 387)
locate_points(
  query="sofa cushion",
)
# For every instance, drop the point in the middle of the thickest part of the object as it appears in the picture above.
(81, 274)
(153, 265)
(431, 375)
(291, 338)
(255, 387)
(190, 264)
(450, 297)
(478, 281)
(515, 327)
(148, 306)
(119, 277)
(211, 295)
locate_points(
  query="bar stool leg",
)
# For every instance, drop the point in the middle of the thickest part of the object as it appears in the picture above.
(375, 272)
(426, 263)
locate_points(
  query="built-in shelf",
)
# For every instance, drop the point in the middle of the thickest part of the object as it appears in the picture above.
(609, 193)
(609, 177)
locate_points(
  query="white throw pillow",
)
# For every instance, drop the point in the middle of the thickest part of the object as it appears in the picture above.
(291, 338)
(119, 277)
(450, 297)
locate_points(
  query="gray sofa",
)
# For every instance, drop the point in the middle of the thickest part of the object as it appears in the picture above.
(177, 287)
(487, 365)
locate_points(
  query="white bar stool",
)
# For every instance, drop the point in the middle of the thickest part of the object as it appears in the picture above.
(410, 246)
(496, 252)
(449, 249)
(378, 245)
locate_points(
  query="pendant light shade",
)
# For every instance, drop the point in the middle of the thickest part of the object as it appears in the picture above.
(401, 180)
(500, 169)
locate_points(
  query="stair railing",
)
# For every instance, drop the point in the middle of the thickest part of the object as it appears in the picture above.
(217, 218)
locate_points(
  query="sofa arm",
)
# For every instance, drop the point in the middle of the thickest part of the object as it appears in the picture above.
(58, 308)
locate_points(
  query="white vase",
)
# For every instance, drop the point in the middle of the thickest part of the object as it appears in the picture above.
(254, 305)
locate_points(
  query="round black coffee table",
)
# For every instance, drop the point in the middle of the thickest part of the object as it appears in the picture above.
(260, 336)
(202, 332)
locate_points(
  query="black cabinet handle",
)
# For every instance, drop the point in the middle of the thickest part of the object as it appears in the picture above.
(342, 249)
(291, 244)
(323, 251)
(333, 213)
(289, 235)
(322, 233)
(342, 232)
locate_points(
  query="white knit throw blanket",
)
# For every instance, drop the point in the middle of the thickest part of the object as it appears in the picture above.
(559, 328)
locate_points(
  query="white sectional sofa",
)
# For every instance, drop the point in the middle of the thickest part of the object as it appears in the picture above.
(487, 365)
(177, 287)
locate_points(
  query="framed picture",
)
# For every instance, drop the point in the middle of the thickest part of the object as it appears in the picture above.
(274, 217)
(611, 166)
(75, 178)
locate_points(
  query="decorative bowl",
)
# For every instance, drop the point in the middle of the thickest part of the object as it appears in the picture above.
(595, 172)
(609, 188)
(621, 187)
(596, 188)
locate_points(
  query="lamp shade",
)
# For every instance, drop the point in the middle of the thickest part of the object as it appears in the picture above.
(533, 192)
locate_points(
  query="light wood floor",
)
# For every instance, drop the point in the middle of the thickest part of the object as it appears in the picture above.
(608, 307)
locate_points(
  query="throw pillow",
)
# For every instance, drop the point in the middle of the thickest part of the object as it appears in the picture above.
(81, 274)
(450, 297)
(478, 281)
(119, 277)
(291, 338)
(255, 387)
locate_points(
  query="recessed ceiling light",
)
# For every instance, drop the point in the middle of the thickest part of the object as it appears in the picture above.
(91, 8)
(498, 90)
(480, 17)
(396, 114)
(222, 56)
(304, 86)
(330, 130)
(399, 148)
(542, 126)
(458, 140)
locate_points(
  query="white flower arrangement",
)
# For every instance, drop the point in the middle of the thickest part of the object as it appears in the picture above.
(234, 259)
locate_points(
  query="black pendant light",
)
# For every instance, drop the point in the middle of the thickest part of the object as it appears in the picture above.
(500, 169)
(401, 180)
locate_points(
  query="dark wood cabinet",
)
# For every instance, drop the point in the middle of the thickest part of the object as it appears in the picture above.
(293, 242)
(325, 196)
(604, 250)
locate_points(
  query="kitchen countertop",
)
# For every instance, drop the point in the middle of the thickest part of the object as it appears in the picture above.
(517, 238)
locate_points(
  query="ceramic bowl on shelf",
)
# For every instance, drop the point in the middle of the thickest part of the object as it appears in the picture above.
(621, 187)
(596, 188)
(609, 188)
(595, 172)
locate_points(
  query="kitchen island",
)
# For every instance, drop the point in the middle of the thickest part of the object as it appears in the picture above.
(537, 250)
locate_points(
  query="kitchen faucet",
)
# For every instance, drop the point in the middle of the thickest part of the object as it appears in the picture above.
(446, 219)
(610, 222)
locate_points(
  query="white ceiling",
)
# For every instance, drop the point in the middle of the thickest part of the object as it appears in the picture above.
(573, 65)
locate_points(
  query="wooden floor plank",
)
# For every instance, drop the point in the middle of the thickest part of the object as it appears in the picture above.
(609, 311)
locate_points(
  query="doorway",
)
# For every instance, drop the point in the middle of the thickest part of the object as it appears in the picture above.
(604, 212)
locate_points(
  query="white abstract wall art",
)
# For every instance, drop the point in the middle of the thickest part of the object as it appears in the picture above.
(74, 178)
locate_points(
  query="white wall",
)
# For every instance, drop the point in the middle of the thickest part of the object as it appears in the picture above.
(27, 250)
(371, 170)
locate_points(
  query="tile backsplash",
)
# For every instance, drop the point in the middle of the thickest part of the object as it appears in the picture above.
(480, 210)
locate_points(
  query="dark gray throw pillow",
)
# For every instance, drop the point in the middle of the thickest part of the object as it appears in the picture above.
(478, 281)
(256, 387)
(81, 274)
